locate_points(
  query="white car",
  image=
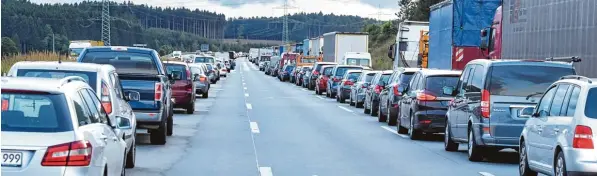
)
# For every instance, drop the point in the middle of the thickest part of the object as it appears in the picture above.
(103, 79)
(558, 137)
(57, 127)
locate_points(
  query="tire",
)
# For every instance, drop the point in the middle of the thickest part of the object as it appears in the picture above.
(475, 153)
(123, 170)
(560, 165)
(158, 136)
(130, 157)
(523, 165)
(191, 108)
(205, 95)
(342, 99)
(317, 92)
(365, 110)
(350, 102)
(391, 117)
(449, 144)
(170, 126)
(413, 133)
(374, 108)
(337, 99)
(380, 116)
(357, 104)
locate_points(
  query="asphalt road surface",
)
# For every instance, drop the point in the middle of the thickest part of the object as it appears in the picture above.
(255, 125)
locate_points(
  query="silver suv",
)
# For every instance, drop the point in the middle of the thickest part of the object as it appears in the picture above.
(558, 137)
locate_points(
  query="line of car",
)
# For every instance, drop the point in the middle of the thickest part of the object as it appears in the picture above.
(540, 109)
(81, 118)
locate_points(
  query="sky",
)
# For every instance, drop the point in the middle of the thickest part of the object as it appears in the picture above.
(250, 8)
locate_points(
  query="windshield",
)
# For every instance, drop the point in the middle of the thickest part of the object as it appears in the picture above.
(34, 112)
(436, 84)
(90, 77)
(590, 110)
(124, 62)
(204, 60)
(353, 75)
(180, 71)
(340, 71)
(357, 61)
(76, 51)
(289, 68)
(523, 80)
(384, 78)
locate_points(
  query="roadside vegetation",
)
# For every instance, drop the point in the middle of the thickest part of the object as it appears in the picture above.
(9, 60)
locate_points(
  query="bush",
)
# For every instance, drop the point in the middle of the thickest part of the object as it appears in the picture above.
(8, 61)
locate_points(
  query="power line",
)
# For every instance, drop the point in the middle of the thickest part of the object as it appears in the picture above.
(106, 20)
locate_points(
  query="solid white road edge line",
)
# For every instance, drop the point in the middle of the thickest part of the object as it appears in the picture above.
(249, 106)
(254, 127)
(485, 174)
(346, 109)
(265, 171)
(245, 88)
(394, 131)
(246, 95)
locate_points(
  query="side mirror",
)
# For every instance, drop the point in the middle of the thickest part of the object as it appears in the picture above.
(391, 51)
(123, 122)
(132, 96)
(527, 112)
(448, 90)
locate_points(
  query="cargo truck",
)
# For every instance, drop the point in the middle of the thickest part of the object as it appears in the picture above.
(76, 46)
(406, 52)
(525, 29)
(454, 29)
(347, 48)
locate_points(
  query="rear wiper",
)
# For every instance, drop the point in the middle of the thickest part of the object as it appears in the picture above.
(534, 94)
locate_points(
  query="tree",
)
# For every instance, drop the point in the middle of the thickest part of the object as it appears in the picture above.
(8, 47)
(165, 50)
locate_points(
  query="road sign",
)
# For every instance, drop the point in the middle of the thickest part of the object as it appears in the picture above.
(204, 47)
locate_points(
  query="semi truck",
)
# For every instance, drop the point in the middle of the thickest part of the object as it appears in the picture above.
(75, 47)
(406, 52)
(347, 48)
(526, 29)
(454, 30)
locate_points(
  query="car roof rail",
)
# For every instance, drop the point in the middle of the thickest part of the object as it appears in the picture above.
(570, 59)
(577, 77)
(69, 79)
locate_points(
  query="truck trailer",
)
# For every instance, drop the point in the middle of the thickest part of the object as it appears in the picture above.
(526, 29)
(317, 46)
(347, 48)
(406, 52)
(454, 30)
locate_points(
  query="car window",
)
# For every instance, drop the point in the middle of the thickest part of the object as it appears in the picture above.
(384, 79)
(35, 112)
(369, 77)
(90, 77)
(124, 62)
(95, 116)
(558, 100)
(523, 80)
(405, 78)
(340, 71)
(179, 70)
(117, 86)
(545, 103)
(421, 83)
(102, 113)
(327, 70)
(590, 110)
(476, 84)
(204, 60)
(436, 84)
(353, 75)
(413, 82)
(83, 113)
(463, 82)
(573, 101)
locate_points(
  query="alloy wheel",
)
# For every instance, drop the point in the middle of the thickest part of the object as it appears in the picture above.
(523, 156)
(560, 168)
(470, 143)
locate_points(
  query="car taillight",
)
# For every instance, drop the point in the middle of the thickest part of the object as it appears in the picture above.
(396, 92)
(188, 75)
(105, 98)
(485, 103)
(315, 72)
(378, 89)
(583, 137)
(202, 78)
(425, 96)
(77, 153)
(335, 79)
(158, 92)
(348, 83)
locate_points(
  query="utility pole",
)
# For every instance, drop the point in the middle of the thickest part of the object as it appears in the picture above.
(379, 14)
(285, 32)
(53, 44)
(106, 22)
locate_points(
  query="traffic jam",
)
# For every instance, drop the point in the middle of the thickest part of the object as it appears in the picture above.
(83, 117)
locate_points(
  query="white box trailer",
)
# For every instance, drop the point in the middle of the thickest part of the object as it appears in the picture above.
(407, 43)
(316, 46)
(338, 44)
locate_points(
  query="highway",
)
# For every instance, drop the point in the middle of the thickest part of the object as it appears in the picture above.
(254, 124)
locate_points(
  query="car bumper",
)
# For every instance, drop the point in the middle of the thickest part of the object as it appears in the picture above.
(52, 171)
(345, 93)
(148, 119)
(430, 121)
(182, 99)
(580, 161)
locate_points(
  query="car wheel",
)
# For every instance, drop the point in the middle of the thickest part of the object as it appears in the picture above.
(318, 92)
(130, 157)
(413, 133)
(337, 98)
(191, 108)
(391, 117)
(523, 166)
(380, 116)
(351, 103)
(374, 108)
(158, 136)
(401, 129)
(205, 95)
(474, 151)
(342, 99)
(449, 144)
(560, 165)
(366, 109)
(122, 170)
(170, 125)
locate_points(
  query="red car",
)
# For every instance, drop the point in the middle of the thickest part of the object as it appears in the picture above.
(183, 89)
(321, 82)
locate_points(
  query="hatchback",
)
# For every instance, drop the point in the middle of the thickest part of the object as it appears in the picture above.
(183, 89)
(202, 84)
(391, 95)
(58, 127)
(316, 72)
(372, 92)
(488, 97)
(322, 80)
(336, 76)
(213, 73)
(558, 136)
(347, 81)
(358, 89)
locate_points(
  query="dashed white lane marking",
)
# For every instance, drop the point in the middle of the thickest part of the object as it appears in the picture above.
(486, 174)
(245, 88)
(249, 106)
(320, 97)
(265, 171)
(246, 95)
(244, 83)
(344, 108)
(394, 131)
(254, 127)
(305, 90)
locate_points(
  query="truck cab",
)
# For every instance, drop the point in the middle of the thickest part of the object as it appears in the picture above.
(357, 58)
(491, 37)
(75, 48)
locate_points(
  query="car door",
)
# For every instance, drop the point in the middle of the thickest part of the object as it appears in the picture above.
(407, 100)
(535, 144)
(114, 152)
(458, 125)
(561, 115)
(371, 88)
(90, 128)
(383, 95)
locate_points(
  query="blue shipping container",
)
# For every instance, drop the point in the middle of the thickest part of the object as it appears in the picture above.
(306, 47)
(457, 23)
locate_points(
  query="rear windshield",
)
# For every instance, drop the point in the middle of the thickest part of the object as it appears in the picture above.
(209, 66)
(90, 77)
(265, 58)
(289, 68)
(180, 71)
(384, 78)
(369, 77)
(590, 110)
(125, 63)
(405, 78)
(308, 60)
(354, 75)
(28, 112)
(204, 60)
(340, 71)
(523, 80)
(327, 70)
(319, 66)
(436, 84)
(357, 61)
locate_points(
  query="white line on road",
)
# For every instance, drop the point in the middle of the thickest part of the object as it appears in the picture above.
(245, 88)
(244, 83)
(319, 97)
(265, 171)
(346, 109)
(254, 127)
(486, 174)
(246, 95)
(249, 106)
(394, 131)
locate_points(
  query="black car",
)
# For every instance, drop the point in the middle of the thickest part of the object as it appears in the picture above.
(371, 102)
(423, 106)
(392, 93)
(316, 72)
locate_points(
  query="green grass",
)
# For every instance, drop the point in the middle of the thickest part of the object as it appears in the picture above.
(8, 61)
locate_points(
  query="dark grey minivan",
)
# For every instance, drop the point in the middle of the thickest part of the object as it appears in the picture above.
(489, 95)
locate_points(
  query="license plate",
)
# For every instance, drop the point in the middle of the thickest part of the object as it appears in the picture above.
(12, 159)
(142, 131)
